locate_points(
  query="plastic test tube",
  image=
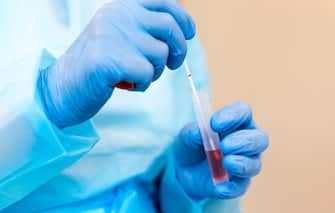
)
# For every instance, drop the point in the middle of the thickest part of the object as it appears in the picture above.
(211, 140)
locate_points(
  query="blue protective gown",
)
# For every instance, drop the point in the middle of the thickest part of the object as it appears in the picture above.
(119, 161)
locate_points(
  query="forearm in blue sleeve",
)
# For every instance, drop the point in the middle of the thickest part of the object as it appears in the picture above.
(33, 150)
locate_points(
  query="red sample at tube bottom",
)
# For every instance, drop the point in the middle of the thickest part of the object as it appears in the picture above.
(215, 158)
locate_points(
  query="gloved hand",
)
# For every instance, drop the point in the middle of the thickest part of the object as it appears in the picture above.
(242, 144)
(127, 40)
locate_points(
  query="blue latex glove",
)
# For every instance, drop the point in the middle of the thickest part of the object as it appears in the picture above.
(242, 144)
(127, 40)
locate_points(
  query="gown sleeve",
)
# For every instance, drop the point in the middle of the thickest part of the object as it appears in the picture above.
(33, 150)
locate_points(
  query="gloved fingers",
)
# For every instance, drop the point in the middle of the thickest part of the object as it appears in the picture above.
(175, 9)
(140, 71)
(231, 118)
(245, 142)
(234, 188)
(189, 149)
(144, 78)
(156, 51)
(242, 166)
(161, 25)
(164, 27)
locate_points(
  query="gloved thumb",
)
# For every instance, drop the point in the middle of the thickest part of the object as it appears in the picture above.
(189, 149)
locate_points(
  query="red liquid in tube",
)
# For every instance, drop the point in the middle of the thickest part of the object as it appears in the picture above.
(215, 158)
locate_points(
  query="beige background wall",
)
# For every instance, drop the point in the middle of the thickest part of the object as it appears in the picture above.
(279, 56)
